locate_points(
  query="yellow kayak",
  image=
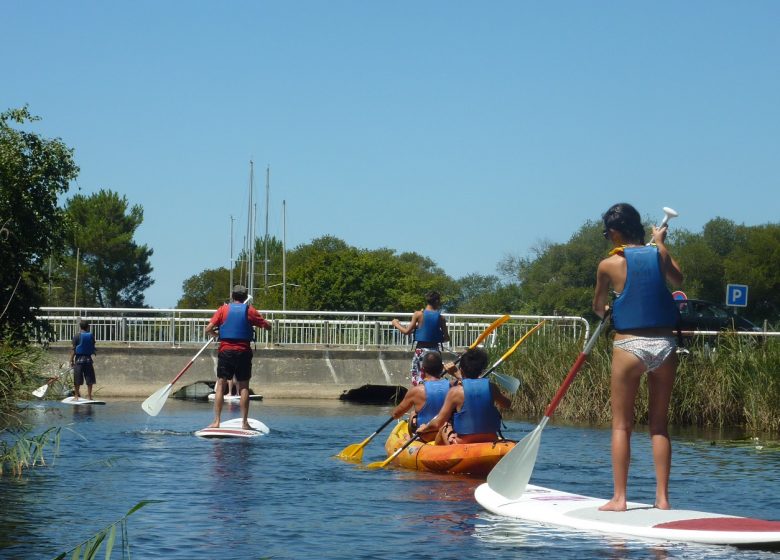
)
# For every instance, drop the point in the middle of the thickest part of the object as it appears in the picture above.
(464, 458)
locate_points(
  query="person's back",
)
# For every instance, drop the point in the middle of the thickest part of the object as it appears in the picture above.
(83, 347)
(426, 398)
(471, 404)
(429, 329)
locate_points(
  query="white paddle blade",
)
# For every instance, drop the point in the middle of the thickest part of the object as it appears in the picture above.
(40, 391)
(511, 474)
(506, 382)
(153, 405)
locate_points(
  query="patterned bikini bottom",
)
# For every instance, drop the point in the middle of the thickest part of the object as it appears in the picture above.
(651, 350)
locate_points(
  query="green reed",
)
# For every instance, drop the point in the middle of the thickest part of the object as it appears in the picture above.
(729, 381)
(103, 541)
(27, 451)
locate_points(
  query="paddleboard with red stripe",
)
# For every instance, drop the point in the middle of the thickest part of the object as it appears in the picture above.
(232, 429)
(554, 507)
(75, 401)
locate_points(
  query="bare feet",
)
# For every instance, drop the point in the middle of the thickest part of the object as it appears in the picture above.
(662, 504)
(614, 504)
(214, 424)
(246, 426)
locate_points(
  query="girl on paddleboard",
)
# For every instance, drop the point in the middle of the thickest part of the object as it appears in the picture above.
(644, 316)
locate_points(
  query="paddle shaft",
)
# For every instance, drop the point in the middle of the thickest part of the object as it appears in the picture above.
(490, 328)
(512, 349)
(192, 361)
(575, 368)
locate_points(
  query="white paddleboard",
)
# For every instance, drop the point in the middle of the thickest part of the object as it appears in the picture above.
(554, 507)
(232, 429)
(80, 401)
(234, 398)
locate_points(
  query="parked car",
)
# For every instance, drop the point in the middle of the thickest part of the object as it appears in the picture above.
(698, 315)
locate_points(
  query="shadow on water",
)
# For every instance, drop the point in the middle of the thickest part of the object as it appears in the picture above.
(284, 495)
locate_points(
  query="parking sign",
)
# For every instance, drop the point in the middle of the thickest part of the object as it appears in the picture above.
(737, 295)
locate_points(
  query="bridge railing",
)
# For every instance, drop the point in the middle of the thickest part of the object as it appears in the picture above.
(353, 330)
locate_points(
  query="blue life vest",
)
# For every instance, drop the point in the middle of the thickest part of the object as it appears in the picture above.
(645, 301)
(237, 325)
(86, 345)
(478, 415)
(435, 393)
(430, 330)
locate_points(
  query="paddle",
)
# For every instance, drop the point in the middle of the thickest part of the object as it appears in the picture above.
(511, 474)
(507, 382)
(354, 452)
(153, 405)
(397, 452)
(41, 391)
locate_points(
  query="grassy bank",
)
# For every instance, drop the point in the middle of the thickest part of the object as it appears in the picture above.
(734, 382)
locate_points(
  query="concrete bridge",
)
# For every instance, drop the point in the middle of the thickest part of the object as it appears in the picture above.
(307, 354)
(124, 371)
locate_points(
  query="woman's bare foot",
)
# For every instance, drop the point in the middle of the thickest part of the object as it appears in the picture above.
(246, 426)
(614, 505)
(662, 504)
(214, 424)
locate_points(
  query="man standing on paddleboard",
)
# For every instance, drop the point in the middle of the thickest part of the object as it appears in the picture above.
(81, 360)
(234, 324)
(430, 331)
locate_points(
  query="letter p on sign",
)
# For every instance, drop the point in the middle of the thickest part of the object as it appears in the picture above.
(736, 295)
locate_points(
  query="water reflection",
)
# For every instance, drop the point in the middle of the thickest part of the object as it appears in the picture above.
(283, 495)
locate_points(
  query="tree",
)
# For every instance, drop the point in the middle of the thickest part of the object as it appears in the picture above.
(329, 275)
(113, 270)
(207, 290)
(34, 171)
(561, 277)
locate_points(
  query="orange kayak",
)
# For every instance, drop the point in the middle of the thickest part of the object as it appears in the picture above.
(465, 458)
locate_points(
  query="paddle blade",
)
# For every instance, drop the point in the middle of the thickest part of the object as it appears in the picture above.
(507, 383)
(40, 391)
(153, 405)
(511, 474)
(380, 464)
(353, 452)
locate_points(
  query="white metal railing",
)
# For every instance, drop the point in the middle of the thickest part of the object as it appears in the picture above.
(347, 329)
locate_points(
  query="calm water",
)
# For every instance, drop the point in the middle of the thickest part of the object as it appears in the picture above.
(284, 496)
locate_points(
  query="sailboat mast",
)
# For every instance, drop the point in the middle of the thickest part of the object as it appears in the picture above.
(265, 242)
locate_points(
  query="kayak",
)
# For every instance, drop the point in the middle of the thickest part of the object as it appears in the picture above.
(463, 458)
(643, 521)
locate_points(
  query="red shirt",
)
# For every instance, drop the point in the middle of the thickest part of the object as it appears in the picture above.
(254, 318)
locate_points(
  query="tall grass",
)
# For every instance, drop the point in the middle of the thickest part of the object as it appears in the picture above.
(727, 382)
(89, 549)
(27, 451)
(20, 369)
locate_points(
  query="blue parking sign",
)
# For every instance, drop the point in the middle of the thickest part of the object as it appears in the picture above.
(736, 295)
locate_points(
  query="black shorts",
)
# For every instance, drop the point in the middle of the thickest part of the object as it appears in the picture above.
(82, 373)
(234, 363)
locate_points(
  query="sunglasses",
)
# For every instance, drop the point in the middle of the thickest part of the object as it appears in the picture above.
(605, 233)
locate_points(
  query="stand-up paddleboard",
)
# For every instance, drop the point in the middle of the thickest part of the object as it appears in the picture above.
(232, 429)
(234, 398)
(80, 401)
(554, 507)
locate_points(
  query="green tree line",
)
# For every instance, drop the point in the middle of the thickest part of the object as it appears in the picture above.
(327, 274)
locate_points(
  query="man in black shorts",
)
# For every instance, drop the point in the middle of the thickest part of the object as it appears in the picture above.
(236, 321)
(81, 360)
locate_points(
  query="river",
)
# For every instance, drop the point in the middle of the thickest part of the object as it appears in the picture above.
(284, 495)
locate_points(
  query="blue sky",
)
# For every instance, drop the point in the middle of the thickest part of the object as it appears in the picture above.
(464, 131)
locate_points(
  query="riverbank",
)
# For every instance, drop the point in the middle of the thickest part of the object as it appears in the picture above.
(730, 381)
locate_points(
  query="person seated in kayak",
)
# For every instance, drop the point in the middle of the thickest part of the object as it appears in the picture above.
(469, 413)
(425, 399)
